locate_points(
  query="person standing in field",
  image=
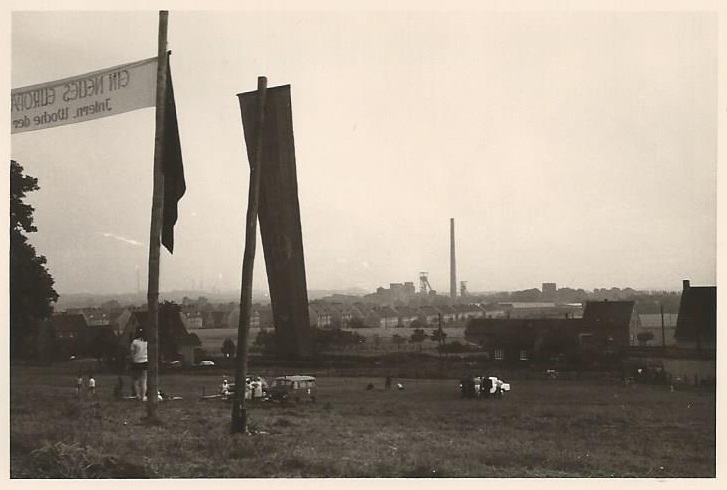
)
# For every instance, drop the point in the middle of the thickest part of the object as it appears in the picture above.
(79, 385)
(485, 387)
(92, 385)
(498, 388)
(139, 363)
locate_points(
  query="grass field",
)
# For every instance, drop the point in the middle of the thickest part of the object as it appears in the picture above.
(557, 428)
(377, 339)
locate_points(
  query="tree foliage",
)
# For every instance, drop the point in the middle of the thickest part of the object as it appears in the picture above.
(31, 286)
(265, 341)
(398, 340)
(228, 348)
(327, 338)
(418, 336)
(439, 336)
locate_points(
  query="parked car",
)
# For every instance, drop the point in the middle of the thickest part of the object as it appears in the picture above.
(206, 363)
(295, 388)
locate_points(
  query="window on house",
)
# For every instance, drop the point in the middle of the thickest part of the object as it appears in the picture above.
(523, 355)
(499, 354)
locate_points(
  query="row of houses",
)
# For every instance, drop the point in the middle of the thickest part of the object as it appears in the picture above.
(327, 315)
(605, 329)
(81, 334)
(323, 314)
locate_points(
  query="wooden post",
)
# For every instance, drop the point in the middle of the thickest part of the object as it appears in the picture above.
(152, 295)
(663, 330)
(239, 415)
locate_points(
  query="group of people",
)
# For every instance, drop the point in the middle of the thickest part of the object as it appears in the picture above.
(89, 385)
(139, 365)
(255, 388)
(482, 386)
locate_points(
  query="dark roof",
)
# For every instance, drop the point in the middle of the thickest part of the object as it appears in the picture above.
(522, 328)
(176, 327)
(189, 339)
(608, 312)
(68, 322)
(697, 314)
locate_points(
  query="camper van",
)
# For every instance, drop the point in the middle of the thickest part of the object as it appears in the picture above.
(295, 388)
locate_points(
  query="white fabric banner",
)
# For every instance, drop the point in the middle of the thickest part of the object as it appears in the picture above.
(101, 93)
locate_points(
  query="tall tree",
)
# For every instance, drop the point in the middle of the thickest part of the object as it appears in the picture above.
(31, 286)
(418, 336)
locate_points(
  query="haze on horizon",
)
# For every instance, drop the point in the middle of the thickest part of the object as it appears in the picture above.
(570, 147)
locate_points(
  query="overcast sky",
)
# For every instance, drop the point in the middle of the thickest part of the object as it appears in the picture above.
(576, 148)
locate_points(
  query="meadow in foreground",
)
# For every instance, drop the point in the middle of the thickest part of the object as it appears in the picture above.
(575, 428)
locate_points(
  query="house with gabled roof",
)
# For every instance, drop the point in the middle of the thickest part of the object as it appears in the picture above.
(261, 316)
(319, 315)
(342, 314)
(68, 332)
(389, 317)
(192, 316)
(175, 342)
(608, 323)
(697, 320)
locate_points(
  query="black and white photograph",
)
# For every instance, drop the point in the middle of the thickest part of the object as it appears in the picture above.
(386, 240)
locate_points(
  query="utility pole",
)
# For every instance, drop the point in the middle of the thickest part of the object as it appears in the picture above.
(452, 263)
(663, 330)
(239, 415)
(152, 295)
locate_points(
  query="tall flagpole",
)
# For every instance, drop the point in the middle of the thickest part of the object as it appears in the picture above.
(239, 416)
(152, 296)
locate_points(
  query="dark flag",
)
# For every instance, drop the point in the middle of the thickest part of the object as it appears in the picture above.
(174, 185)
(279, 217)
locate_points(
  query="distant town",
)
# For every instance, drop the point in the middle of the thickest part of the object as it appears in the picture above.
(649, 318)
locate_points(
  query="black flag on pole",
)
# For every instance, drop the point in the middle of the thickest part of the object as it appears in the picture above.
(174, 184)
(279, 218)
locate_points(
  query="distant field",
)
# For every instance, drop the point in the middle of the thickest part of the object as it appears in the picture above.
(556, 428)
(212, 338)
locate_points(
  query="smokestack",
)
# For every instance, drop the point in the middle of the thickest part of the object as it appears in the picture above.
(685, 284)
(452, 263)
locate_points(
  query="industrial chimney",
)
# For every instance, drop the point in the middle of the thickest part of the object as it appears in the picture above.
(452, 264)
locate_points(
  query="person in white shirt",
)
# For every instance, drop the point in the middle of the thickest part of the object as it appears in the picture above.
(139, 363)
(92, 385)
